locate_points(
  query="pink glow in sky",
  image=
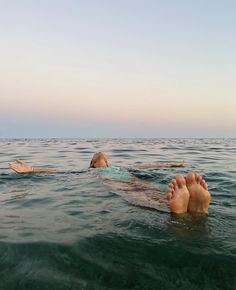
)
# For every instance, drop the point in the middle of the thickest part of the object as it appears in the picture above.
(131, 67)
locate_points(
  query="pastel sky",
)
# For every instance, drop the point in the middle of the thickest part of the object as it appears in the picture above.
(127, 68)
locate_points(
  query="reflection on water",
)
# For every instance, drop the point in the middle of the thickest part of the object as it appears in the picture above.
(189, 226)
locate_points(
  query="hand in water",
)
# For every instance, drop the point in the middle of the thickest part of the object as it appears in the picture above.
(21, 167)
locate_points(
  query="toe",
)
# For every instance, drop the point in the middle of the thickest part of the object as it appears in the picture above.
(190, 178)
(180, 180)
(173, 184)
(173, 181)
(204, 184)
(170, 187)
(169, 195)
(198, 178)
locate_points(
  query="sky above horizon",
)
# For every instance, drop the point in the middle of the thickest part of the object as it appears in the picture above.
(125, 68)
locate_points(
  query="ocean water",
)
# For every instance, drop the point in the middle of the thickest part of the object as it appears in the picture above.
(68, 230)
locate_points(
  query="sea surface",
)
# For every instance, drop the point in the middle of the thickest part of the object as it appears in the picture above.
(68, 230)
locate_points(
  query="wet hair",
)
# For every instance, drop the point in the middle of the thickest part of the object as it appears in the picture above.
(96, 157)
(91, 164)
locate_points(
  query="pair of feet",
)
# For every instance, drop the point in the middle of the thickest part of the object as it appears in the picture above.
(188, 194)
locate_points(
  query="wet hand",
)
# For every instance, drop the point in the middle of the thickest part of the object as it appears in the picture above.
(21, 167)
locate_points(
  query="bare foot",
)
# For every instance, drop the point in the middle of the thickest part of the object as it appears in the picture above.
(178, 195)
(199, 195)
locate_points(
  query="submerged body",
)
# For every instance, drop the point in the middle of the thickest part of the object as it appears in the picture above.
(188, 194)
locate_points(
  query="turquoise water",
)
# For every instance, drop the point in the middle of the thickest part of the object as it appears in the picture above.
(68, 230)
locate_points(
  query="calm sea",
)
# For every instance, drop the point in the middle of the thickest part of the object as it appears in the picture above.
(67, 230)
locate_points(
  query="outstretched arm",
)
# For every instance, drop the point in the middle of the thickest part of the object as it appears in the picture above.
(22, 167)
(160, 165)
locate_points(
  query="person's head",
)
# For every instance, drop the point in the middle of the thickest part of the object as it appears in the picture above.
(99, 160)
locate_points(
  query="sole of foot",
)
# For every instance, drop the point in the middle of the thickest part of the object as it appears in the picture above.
(200, 197)
(178, 195)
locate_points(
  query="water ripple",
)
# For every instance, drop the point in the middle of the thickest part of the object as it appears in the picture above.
(67, 230)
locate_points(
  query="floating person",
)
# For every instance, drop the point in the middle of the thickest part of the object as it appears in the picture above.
(184, 194)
